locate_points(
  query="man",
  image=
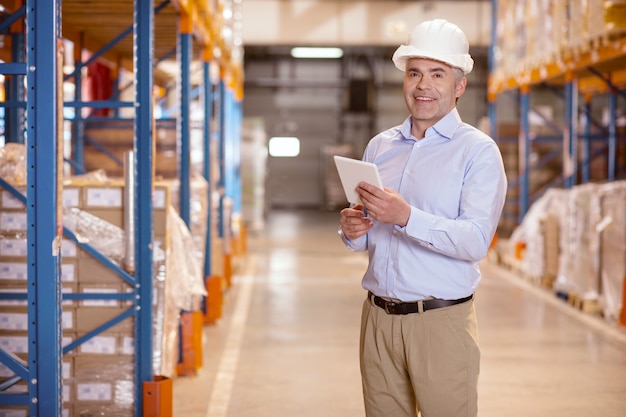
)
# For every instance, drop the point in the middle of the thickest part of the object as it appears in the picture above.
(426, 233)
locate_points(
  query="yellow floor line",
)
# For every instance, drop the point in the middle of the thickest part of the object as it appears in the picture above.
(225, 376)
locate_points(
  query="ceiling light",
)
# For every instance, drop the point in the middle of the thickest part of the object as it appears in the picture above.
(307, 52)
(284, 146)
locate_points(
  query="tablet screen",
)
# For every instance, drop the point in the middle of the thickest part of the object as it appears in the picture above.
(352, 172)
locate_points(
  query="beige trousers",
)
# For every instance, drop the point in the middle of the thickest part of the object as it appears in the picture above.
(424, 363)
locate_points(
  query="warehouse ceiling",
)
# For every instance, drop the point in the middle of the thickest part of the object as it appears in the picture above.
(356, 22)
(266, 23)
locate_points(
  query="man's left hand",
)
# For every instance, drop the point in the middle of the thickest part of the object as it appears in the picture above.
(386, 205)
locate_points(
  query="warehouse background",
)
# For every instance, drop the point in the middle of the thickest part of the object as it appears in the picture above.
(337, 105)
(196, 89)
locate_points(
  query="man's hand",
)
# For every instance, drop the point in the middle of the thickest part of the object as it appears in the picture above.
(354, 223)
(386, 205)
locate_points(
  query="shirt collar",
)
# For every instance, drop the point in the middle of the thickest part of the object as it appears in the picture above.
(444, 127)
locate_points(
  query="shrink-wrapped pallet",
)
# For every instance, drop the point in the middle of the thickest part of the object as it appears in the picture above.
(576, 267)
(611, 229)
(530, 232)
(578, 33)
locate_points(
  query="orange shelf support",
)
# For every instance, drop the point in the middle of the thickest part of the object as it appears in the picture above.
(608, 57)
(228, 269)
(158, 397)
(190, 346)
(214, 300)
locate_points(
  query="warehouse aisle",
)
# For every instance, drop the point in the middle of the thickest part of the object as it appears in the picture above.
(288, 342)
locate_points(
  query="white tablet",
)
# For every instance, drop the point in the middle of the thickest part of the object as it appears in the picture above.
(352, 172)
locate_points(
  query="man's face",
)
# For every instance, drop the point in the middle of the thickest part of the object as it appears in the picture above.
(430, 90)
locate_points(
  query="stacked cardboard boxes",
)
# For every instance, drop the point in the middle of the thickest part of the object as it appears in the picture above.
(98, 375)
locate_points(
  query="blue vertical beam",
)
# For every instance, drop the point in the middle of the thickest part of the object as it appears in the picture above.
(229, 157)
(14, 116)
(491, 105)
(78, 134)
(44, 224)
(586, 141)
(570, 158)
(184, 56)
(207, 136)
(143, 40)
(221, 183)
(612, 145)
(236, 127)
(228, 143)
(524, 151)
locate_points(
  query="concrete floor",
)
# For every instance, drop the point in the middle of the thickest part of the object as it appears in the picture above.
(287, 344)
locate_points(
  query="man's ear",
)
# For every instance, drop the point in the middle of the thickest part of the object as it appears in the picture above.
(460, 87)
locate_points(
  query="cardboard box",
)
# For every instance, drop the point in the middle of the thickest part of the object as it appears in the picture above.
(104, 196)
(13, 270)
(106, 343)
(104, 368)
(104, 380)
(90, 409)
(13, 247)
(92, 271)
(14, 341)
(89, 318)
(114, 215)
(7, 201)
(72, 196)
(13, 221)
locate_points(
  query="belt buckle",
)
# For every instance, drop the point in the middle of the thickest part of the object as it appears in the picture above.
(388, 306)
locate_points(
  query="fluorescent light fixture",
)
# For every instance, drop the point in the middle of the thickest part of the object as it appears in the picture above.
(306, 52)
(284, 146)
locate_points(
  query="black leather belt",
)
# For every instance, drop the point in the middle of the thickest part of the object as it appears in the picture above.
(397, 307)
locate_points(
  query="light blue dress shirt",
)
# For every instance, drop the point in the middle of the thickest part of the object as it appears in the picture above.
(455, 183)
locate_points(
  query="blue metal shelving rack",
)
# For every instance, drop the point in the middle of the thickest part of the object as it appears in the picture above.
(44, 155)
(568, 138)
(43, 369)
(42, 372)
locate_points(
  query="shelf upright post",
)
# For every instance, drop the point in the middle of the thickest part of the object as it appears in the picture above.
(184, 57)
(491, 96)
(229, 150)
(14, 116)
(78, 127)
(207, 56)
(143, 57)
(524, 151)
(228, 142)
(612, 139)
(221, 183)
(44, 218)
(586, 142)
(236, 156)
(570, 138)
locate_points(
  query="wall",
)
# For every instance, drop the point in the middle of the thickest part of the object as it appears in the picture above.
(305, 98)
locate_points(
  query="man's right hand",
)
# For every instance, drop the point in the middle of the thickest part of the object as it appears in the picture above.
(354, 223)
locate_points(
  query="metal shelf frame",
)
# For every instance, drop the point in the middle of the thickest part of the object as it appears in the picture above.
(577, 80)
(42, 372)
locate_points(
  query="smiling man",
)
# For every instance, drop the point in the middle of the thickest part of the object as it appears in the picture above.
(426, 233)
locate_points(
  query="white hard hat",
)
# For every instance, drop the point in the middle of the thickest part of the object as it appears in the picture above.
(439, 40)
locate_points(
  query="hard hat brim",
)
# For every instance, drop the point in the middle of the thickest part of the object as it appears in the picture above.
(464, 62)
